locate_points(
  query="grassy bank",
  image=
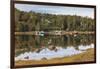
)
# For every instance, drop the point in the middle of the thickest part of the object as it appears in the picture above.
(83, 57)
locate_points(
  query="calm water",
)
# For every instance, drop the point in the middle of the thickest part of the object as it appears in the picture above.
(48, 47)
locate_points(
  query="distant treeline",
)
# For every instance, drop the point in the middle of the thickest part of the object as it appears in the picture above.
(32, 21)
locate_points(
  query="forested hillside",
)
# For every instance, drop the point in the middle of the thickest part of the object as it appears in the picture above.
(32, 21)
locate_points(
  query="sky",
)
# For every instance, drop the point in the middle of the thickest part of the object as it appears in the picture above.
(58, 10)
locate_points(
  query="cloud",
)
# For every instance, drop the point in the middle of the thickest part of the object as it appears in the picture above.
(62, 10)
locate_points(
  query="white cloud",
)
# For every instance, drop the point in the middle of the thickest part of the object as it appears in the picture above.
(89, 12)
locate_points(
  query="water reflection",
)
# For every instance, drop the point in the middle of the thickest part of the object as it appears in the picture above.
(48, 47)
(49, 54)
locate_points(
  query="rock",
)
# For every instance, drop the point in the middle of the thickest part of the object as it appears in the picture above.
(52, 47)
(37, 50)
(44, 58)
(27, 57)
